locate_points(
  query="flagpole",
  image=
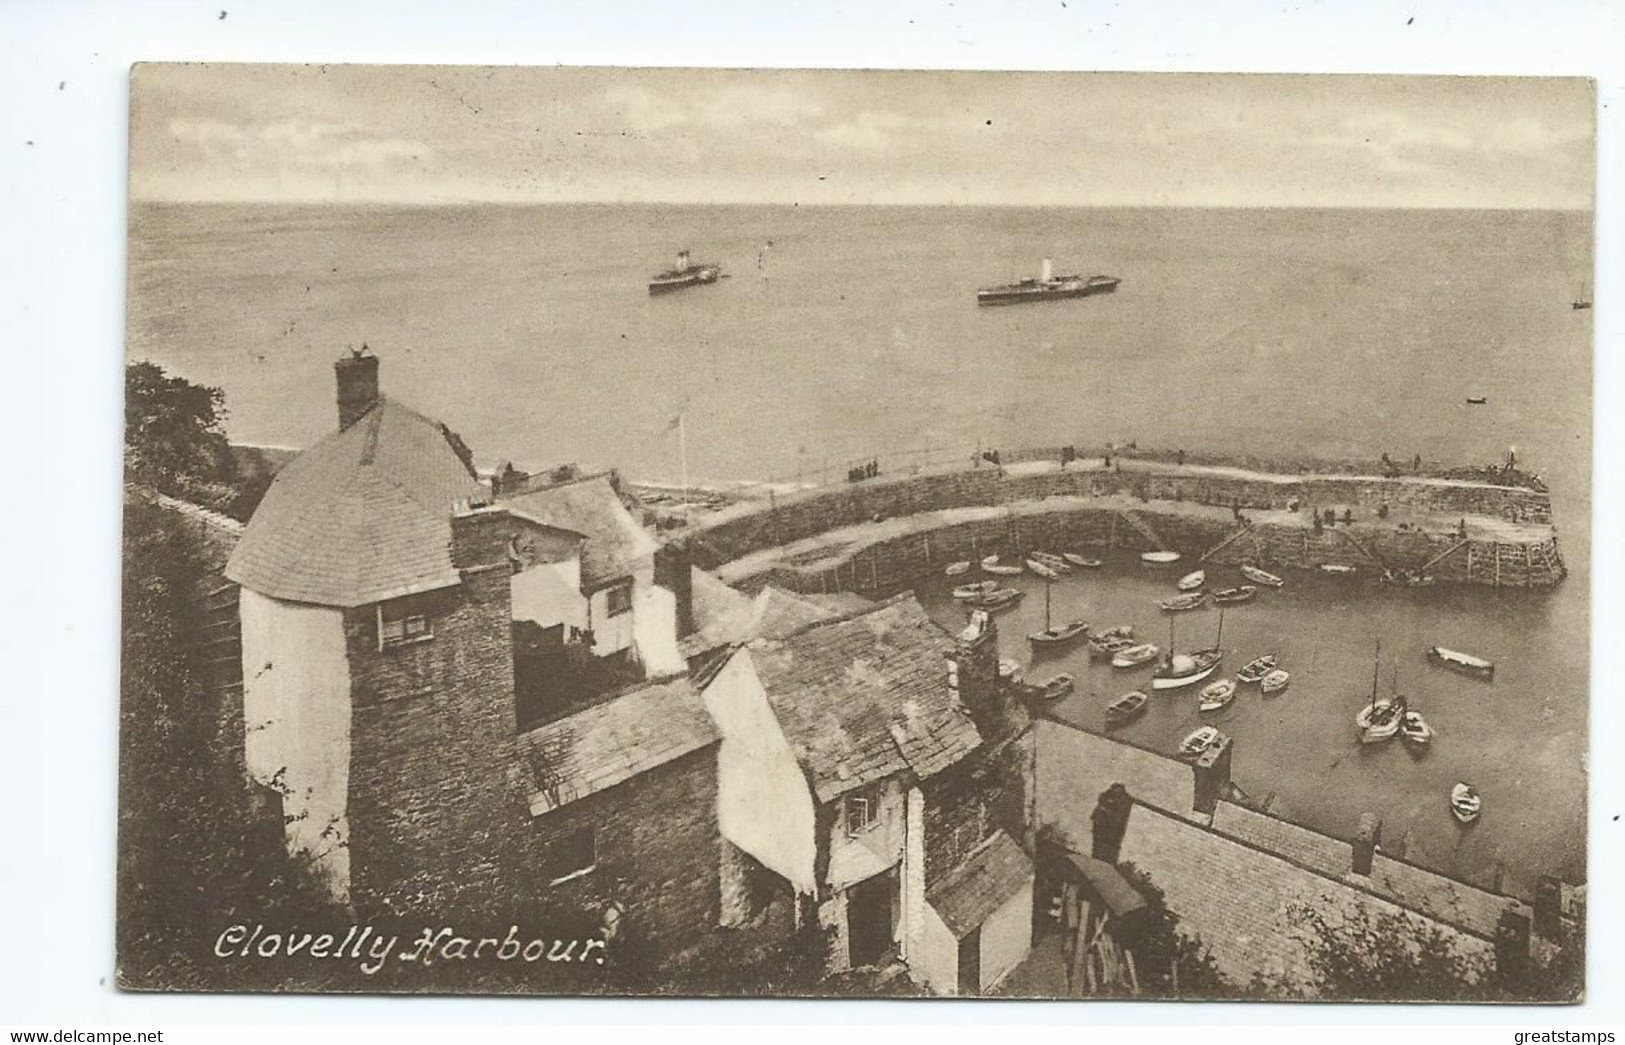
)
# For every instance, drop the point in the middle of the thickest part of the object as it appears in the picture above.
(682, 453)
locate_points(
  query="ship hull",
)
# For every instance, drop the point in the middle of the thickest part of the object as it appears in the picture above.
(672, 284)
(1013, 296)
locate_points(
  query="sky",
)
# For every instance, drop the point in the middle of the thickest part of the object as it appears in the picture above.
(446, 134)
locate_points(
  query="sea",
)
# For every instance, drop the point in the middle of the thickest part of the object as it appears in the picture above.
(844, 334)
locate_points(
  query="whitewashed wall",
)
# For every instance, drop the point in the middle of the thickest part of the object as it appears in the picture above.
(1007, 936)
(296, 718)
(763, 804)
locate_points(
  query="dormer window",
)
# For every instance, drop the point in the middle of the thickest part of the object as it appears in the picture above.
(404, 621)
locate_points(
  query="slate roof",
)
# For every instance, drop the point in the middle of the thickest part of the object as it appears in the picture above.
(1108, 882)
(723, 615)
(1239, 898)
(362, 516)
(985, 881)
(1464, 906)
(616, 543)
(863, 698)
(610, 743)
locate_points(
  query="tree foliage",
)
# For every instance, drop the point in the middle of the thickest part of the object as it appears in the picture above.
(175, 442)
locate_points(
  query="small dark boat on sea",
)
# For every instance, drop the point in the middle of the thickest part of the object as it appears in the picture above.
(686, 273)
(1256, 669)
(1059, 633)
(1057, 687)
(1476, 400)
(1045, 288)
(993, 601)
(1233, 595)
(1124, 708)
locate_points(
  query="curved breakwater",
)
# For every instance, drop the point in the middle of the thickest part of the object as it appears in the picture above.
(883, 534)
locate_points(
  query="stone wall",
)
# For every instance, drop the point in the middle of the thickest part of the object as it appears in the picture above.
(436, 792)
(785, 520)
(897, 562)
(656, 845)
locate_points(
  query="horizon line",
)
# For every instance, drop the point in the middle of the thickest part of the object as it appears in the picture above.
(479, 202)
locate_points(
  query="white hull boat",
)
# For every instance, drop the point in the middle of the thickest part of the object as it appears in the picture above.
(1275, 681)
(1380, 721)
(1465, 663)
(1465, 803)
(991, 564)
(1179, 603)
(1134, 656)
(956, 569)
(1414, 729)
(1186, 670)
(1081, 560)
(1258, 576)
(1159, 558)
(1198, 741)
(1041, 570)
(1230, 596)
(976, 589)
(1193, 581)
(1217, 695)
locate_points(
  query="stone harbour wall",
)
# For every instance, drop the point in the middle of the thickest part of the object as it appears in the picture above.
(896, 562)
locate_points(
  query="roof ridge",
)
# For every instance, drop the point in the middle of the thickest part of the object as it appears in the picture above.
(1347, 882)
(848, 616)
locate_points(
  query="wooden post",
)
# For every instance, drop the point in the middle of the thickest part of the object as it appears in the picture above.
(1497, 564)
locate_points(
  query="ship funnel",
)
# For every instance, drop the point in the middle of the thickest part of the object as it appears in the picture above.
(682, 261)
(1045, 273)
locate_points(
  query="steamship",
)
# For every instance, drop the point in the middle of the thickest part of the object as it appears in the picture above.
(1045, 287)
(686, 273)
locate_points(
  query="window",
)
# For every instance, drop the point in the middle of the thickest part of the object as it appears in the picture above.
(862, 809)
(570, 855)
(618, 600)
(402, 621)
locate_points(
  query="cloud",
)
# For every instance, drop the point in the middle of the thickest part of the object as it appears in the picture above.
(294, 142)
(720, 108)
(870, 130)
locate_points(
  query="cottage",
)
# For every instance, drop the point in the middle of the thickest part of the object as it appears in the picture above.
(852, 772)
(414, 658)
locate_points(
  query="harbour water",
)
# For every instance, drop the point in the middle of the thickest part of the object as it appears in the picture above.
(1518, 739)
(1326, 333)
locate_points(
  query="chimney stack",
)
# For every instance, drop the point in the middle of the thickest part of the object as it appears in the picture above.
(973, 673)
(1367, 837)
(357, 376)
(674, 571)
(1212, 776)
(480, 535)
(1110, 823)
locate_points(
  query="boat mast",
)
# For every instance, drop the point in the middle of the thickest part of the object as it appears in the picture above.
(1376, 668)
(1218, 643)
(1046, 604)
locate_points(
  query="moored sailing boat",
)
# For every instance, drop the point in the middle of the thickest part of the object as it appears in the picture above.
(1183, 669)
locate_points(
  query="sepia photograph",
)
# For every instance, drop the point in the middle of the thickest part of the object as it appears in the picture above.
(856, 533)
